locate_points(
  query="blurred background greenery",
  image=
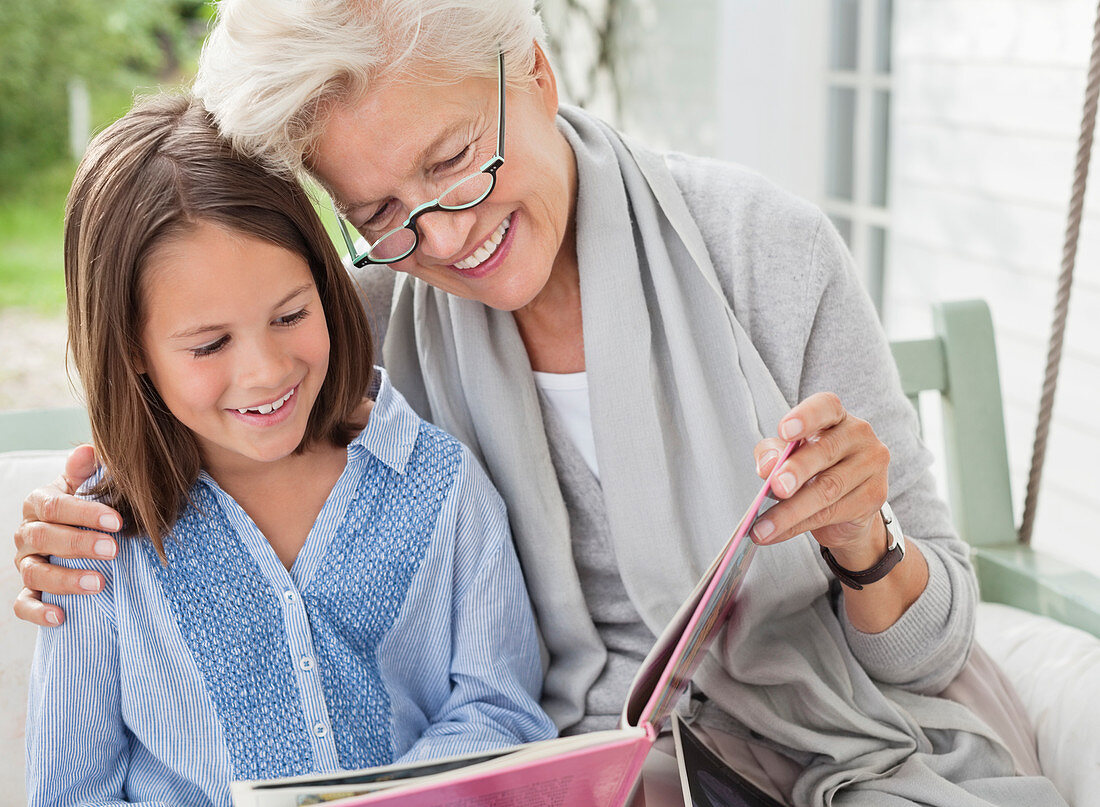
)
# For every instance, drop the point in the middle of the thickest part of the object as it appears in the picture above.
(114, 48)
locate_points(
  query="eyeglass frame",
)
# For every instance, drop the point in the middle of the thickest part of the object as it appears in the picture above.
(490, 167)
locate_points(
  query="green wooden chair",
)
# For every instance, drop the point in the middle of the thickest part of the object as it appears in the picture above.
(960, 363)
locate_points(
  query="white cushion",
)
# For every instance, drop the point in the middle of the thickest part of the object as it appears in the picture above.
(1056, 671)
(20, 473)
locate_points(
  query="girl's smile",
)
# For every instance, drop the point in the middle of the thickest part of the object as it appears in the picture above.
(235, 342)
(268, 414)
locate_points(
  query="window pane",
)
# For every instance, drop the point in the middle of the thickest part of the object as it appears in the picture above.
(844, 35)
(875, 270)
(844, 227)
(880, 146)
(841, 143)
(884, 25)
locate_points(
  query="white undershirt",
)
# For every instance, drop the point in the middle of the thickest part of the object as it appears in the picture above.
(568, 394)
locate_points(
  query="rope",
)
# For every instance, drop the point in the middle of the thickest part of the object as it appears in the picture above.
(1065, 281)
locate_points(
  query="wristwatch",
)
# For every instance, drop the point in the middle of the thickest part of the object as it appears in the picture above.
(894, 553)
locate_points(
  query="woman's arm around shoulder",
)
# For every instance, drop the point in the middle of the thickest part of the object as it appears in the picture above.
(58, 523)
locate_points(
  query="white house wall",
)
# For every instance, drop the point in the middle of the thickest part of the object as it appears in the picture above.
(987, 106)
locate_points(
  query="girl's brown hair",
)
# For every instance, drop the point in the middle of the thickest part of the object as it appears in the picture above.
(151, 175)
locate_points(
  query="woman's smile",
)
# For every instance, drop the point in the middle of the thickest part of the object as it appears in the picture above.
(488, 257)
(486, 249)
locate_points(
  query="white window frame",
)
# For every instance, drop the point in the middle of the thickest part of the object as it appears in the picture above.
(860, 211)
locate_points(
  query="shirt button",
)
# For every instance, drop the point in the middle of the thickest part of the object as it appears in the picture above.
(306, 663)
(289, 595)
(319, 729)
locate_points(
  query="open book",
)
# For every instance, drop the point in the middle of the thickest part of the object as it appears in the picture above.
(600, 769)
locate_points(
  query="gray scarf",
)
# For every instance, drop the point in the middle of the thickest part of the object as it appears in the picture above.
(679, 396)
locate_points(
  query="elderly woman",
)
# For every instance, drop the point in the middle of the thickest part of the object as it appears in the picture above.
(617, 334)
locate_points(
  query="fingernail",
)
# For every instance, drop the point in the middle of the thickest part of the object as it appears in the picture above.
(786, 482)
(89, 582)
(105, 548)
(765, 458)
(51, 617)
(110, 523)
(762, 529)
(790, 429)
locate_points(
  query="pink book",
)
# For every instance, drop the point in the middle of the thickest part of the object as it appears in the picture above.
(600, 769)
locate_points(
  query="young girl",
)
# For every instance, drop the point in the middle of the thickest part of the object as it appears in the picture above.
(313, 577)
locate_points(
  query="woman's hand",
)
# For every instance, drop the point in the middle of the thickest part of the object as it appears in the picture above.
(52, 518)
(833, 486)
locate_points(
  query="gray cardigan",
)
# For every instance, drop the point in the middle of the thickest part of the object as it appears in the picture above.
(795, 304)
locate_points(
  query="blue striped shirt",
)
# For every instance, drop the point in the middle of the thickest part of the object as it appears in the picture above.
(402, 631)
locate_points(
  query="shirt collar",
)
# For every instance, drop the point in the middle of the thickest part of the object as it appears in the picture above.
(392, 429)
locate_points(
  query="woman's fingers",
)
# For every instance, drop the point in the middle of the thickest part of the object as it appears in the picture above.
(56, 522)
(833, 484)
(55, 503)
(52, 516)
(821, 411)
(852, 441)
(766, 452)
(79, 466)
(29, 607)
(39, 575)
(37, 539)
(43, 538)
(843, 494)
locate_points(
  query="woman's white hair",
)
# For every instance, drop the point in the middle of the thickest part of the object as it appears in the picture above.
(270, 68)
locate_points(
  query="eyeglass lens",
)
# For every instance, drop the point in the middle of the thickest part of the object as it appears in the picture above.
(466, 193)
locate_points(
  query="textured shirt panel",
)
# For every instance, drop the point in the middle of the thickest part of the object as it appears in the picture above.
(227, 611)
(361, 586)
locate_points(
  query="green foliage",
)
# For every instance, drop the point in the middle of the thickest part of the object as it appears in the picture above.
(31, 266)
(46, 43)
(116, 47)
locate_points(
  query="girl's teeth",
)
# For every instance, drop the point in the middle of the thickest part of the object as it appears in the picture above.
(488, 248)
(267, 409)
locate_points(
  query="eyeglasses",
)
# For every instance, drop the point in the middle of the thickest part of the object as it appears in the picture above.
(400, 242)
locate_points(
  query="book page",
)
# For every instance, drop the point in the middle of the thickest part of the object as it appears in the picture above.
(707, 780)
(664, 675)
(588, 770)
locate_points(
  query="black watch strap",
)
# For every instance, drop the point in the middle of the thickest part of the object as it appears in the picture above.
(857, 580)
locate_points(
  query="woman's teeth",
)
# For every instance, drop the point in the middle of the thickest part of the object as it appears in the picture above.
(488, 248)
(267, 409)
